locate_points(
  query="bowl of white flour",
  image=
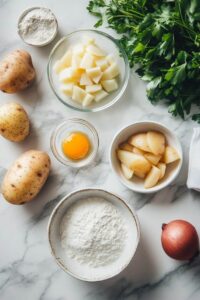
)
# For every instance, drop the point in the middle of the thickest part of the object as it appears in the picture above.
(37, 26)
(93, 234)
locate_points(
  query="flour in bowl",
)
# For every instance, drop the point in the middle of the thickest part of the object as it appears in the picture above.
(93, 232)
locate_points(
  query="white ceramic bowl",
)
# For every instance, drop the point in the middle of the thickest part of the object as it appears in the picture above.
(23, 15)
(135, 183)
(81, 271)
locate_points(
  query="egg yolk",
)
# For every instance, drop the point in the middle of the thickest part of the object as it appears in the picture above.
(76, 146)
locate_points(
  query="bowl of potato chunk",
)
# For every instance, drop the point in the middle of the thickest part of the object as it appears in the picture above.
(88, 70)
(146, 156)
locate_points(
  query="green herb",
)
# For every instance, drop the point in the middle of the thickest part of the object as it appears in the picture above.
(163, 38)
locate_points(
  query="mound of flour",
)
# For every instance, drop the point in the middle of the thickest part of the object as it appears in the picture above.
(93, 232)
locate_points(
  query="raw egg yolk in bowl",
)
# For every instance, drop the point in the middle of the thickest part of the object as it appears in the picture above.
(76, 146)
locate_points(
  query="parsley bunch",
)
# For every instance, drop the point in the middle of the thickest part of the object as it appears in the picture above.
(162, 37)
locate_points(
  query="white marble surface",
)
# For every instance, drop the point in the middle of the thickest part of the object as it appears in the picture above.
(27, 270)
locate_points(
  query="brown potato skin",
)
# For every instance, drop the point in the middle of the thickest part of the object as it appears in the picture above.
(16, 72)
(26, 177)
(14, 122)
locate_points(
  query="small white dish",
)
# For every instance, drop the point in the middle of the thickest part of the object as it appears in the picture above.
(136, 184)
(81, 271)
(23, 15)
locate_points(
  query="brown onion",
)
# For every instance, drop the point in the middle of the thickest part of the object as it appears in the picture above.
(180, 240)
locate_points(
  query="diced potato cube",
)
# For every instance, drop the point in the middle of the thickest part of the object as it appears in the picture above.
(87, 100)
(110, 59)
(85, 80)
(67, 88)
(64, 62)
(78, 94)
(100, 95)
(152, 177)
(93, 88)
(79, 49)
(126, 146)
(156, 142)
(162, 168)
(87, 61)
(154, 159)
(170, 155)
(68, 74)
(102, 63)
(111, 72)
(87, 40)
(139, 140)
(93, 72)
(96, 79)
(109, 85)
(128, 174)
(76, 60)
(94, 50)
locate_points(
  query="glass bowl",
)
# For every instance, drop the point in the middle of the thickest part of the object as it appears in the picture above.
(63, 130)
(110, 46)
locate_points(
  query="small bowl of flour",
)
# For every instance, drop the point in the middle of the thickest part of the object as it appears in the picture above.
(37, 26)
(93, 234)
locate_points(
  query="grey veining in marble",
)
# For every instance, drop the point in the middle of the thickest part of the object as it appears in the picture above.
(27, 270)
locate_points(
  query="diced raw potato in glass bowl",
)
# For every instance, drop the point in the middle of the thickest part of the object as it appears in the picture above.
(88, 70)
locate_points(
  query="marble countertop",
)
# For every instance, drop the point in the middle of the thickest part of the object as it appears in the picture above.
(27, 270)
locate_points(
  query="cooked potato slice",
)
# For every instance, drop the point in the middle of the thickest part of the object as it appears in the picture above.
(162, 168)
(154, 159)
(128, 174)
(134, 161)
(111, 72)
(140, 174)
(100, 95)
(126, 146)
(140, 141)
(93, 88)
(156, 142)
(152, 177)
(109, 85)
(138, 151)
(64, 62)
(170, 155)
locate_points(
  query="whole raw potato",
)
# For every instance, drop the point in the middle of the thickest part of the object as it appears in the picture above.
(16, 72)
(26, 177)
(14, 122)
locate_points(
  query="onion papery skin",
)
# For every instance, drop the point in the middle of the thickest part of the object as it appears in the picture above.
(180, 240)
